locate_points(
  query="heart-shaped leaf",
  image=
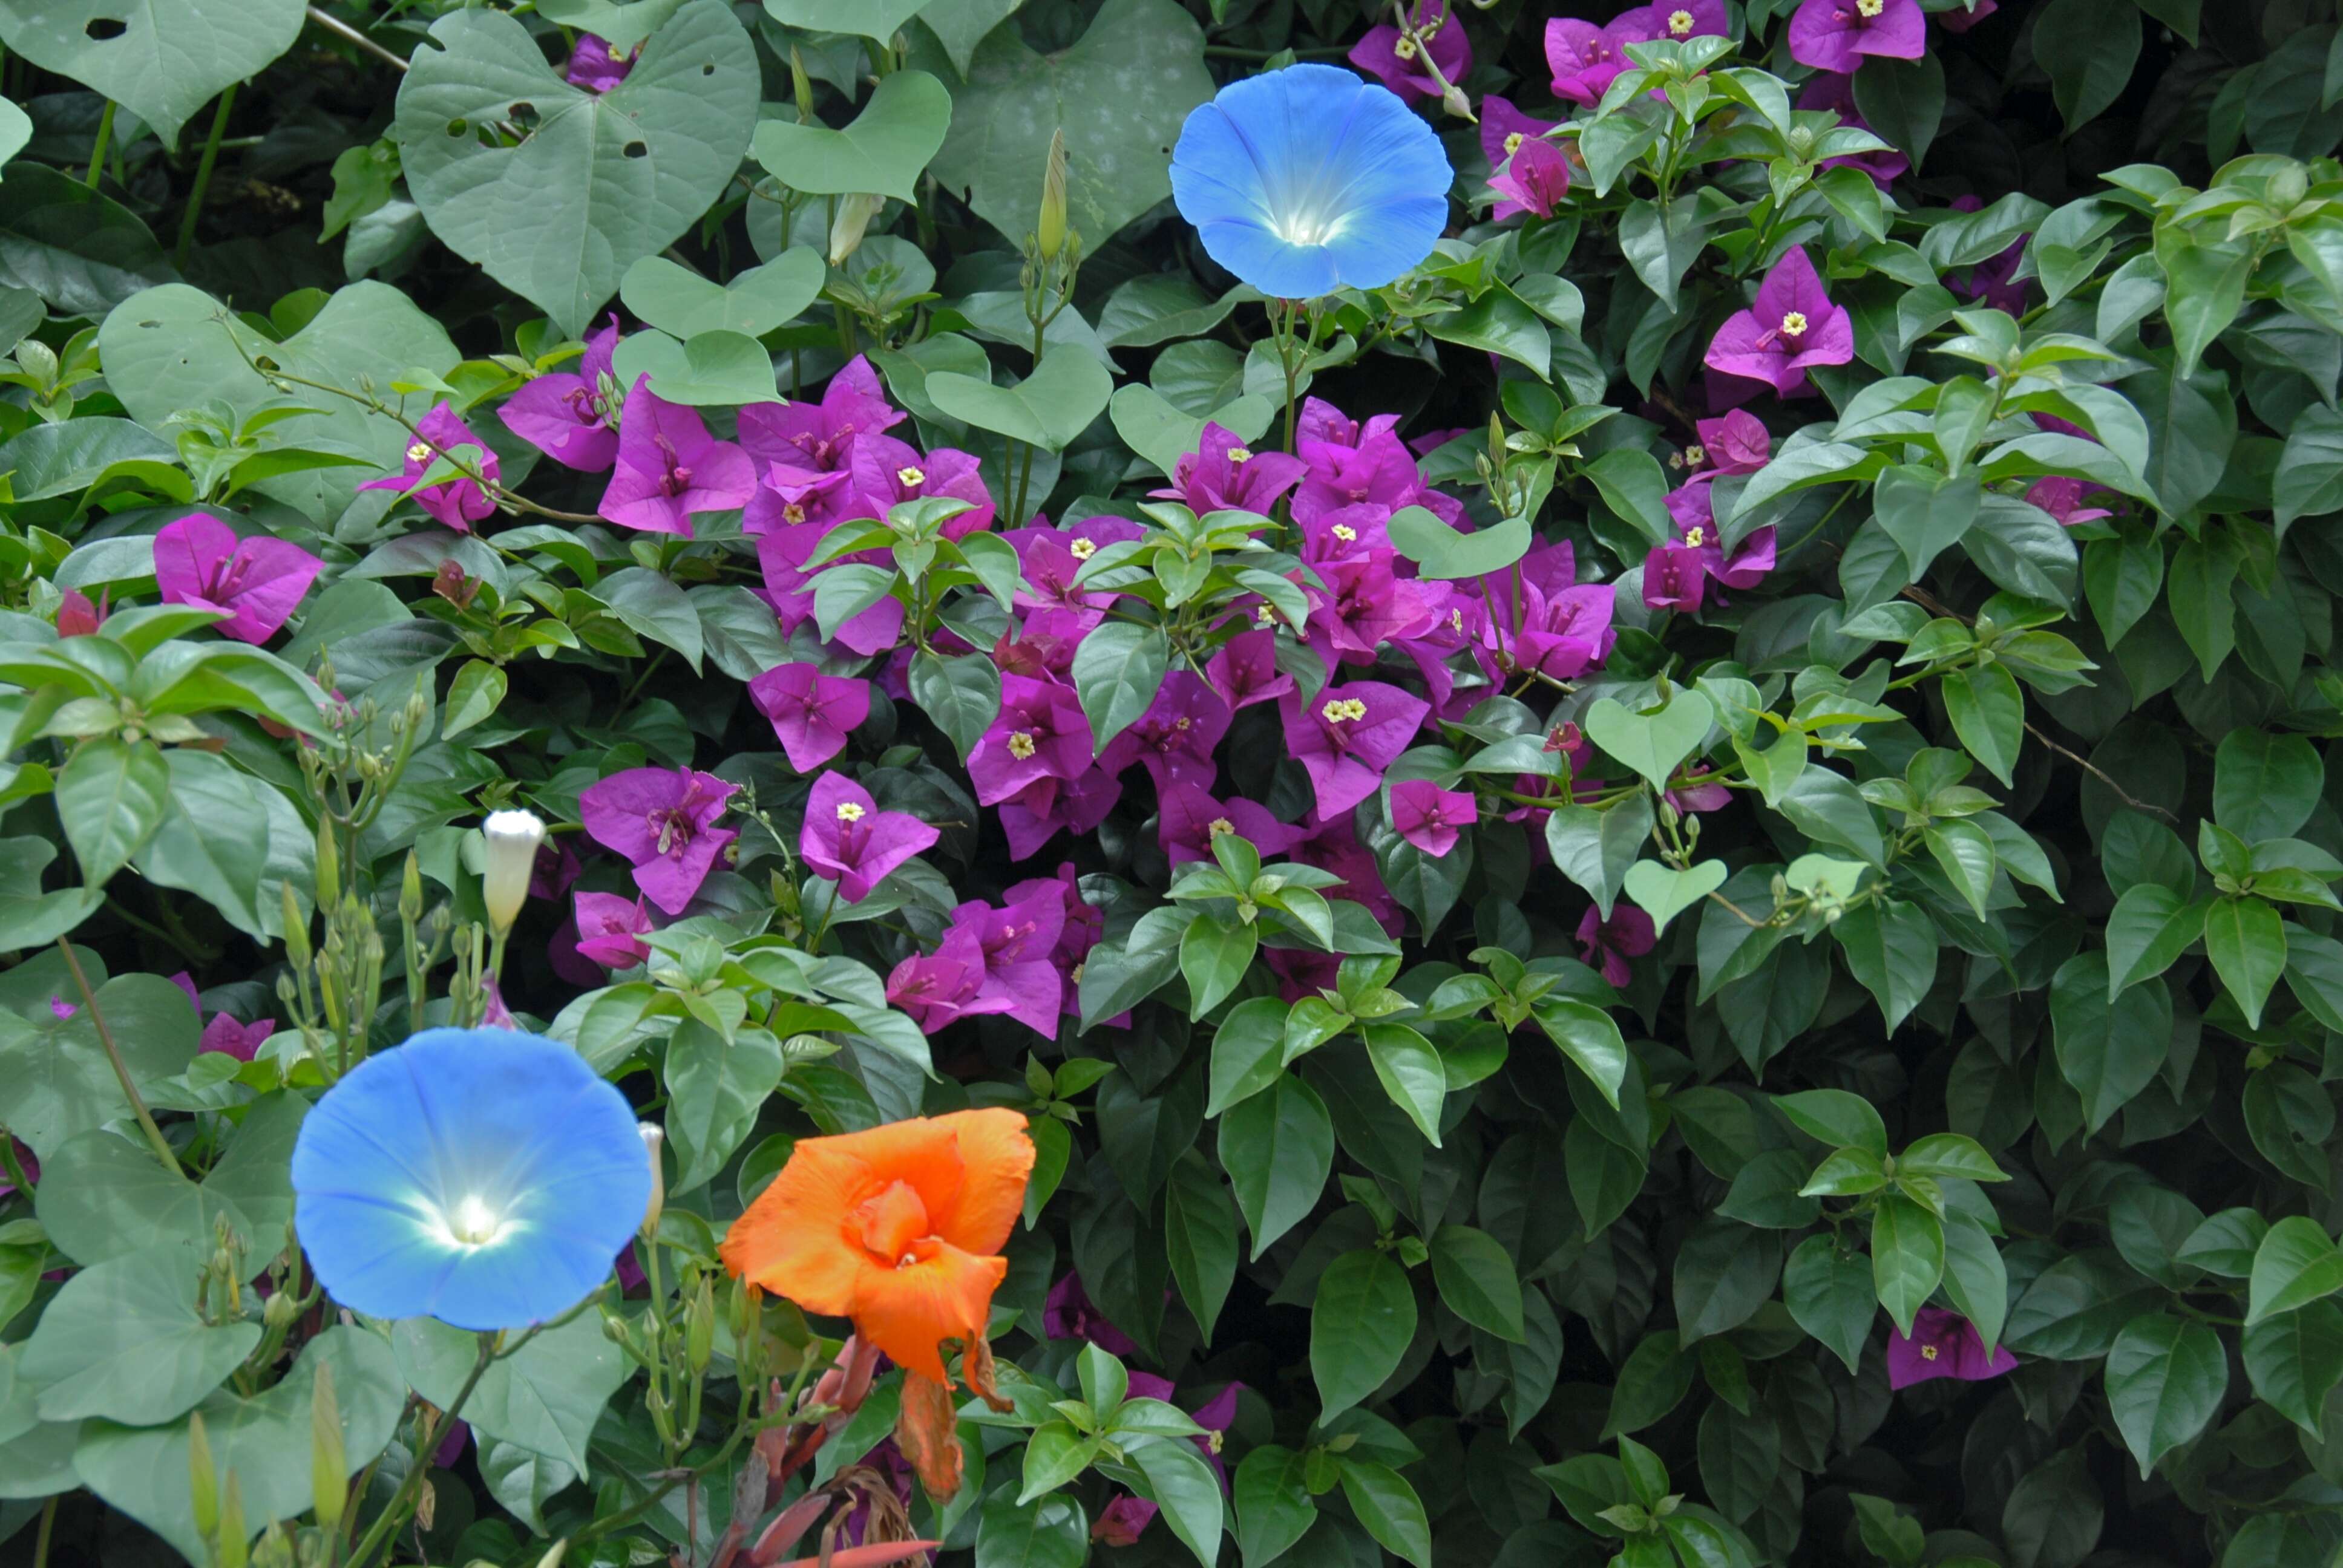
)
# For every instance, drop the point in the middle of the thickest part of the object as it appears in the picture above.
(879, 19)
(883, 152)
(175, 347)
(1160, 432)
(160, 59)
(714, 369)
(1440, 551)
(621, 26)
(1049, 409)
(555, 190)
(1120, 93)
(681, 303)
(1666, 892)
(1652, 743)
(264, 1440)
(128, 1343)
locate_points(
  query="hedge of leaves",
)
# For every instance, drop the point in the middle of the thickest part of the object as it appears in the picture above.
(1652, 883)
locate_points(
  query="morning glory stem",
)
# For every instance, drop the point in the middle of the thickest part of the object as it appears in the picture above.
(155, 1139)
(97, 148)
(403, 1504)
(203, 178)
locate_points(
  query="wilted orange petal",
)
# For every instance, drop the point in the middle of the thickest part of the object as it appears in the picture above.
(873, 1556)
(946, 1295)
(928, 1432)
(998, 1157)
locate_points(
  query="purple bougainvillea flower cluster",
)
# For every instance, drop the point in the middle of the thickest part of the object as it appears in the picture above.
(455, 500)
(662, 820)
(1398, 60)
(1839, 35)
(1790, 328)
(256, 582)
(1677, 575)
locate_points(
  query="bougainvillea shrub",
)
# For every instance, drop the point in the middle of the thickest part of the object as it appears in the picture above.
(1162, 781)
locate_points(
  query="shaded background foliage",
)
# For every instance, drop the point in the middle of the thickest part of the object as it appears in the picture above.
(2091, 939)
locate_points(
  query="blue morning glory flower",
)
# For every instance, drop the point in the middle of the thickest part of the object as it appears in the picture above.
(1308, 179)
(483, 1177)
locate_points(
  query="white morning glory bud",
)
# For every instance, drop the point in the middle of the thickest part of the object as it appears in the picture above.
(654, 1139)
(514, 838)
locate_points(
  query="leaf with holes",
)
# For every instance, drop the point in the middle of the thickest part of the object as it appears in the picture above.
(555, 190)
(160, 59)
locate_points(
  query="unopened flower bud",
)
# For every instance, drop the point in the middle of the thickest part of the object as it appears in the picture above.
(1455, 101)
(203, 1479)
(654, 1143)
(700, 1327)
(800, 86)
(330, 1471)
(330, 867)
(410, 890)
(514, 839)
(855, 211)
(233, 1551)
(1050, 236)
(281, 1309)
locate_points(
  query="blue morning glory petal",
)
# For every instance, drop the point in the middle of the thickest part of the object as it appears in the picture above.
(480, 1176)
(1309, 179)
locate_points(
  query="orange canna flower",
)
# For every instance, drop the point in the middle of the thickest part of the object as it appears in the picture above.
(899, 1228)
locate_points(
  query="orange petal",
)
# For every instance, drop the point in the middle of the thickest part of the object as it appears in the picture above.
(922, 1153)
(793, 1238)
(998, 1157)
(945, 1295)
(928, 1432)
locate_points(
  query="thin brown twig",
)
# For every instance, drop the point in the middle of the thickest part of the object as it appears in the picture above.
(342, 30)
(2095, 771)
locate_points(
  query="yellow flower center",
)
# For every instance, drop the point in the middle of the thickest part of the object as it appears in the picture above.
(1339, 709)
(848, 811)
(1404, 48)
(1680, 24)
(1696, 455)
(909, 477)
(1793, 324)
(1264, 615)
(1220, 827)
(1182, 722)
(1345, 532)
(1927, 1352)
(793, 513)
(1456, 620)
(419, 452)
(1693, 537)
(1020, 744)
(1239, 454)
(1512, 143)
(1075, 975)
(1083, 549)
(1871, 7)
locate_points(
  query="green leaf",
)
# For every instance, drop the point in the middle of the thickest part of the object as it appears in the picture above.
(545, 1396)
(78, 249)
(1199, 1229)
(1117, 668)
(473, 697)
(1835, 1119)
(715, 1088)
(1248, 1052)
(1361, 1320)
(2295, 1359)
(1890, 947)
(1924, 512)
(1277, 1147)
(1054, 1454)
(2265, 786)
(898, 130)
(1443, 554)
(1213, 957)
(1988, 714)
(718, 368)
(55, 1079)
(1188, 1492)
(1273, 1506)
(1903, 101)
(1635, 485)
(265, 1440)
(1654, 744)
(125, 1342)
(1411, 1072)
(1118, 93)
(2149, 927)
(1589, 1037)
(2107, 1050)
(1595, 849)
(961, 695)
(1829, 1294)
(110, 799)
(163, 59)
(1475, 1278)
(654, 607)
(1907, 1257)
(2246, 940)
(1388, 1506)
(213, 840)
(1052, 1533)
(2165, 1378)
(1665, 893)
(103, 1196)
(1652, 1381)
(2089, 49)
(2296, 1264)
(602, 179)
(1499, 323)
(2309, 479)
(1964, 852)
(173, 348)
(1050, 408)
(682, 303)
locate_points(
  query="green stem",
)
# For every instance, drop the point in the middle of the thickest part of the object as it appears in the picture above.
(97, 148)
(403, 1504)
(180, 252)
(48, 1520)
(155, 1139)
